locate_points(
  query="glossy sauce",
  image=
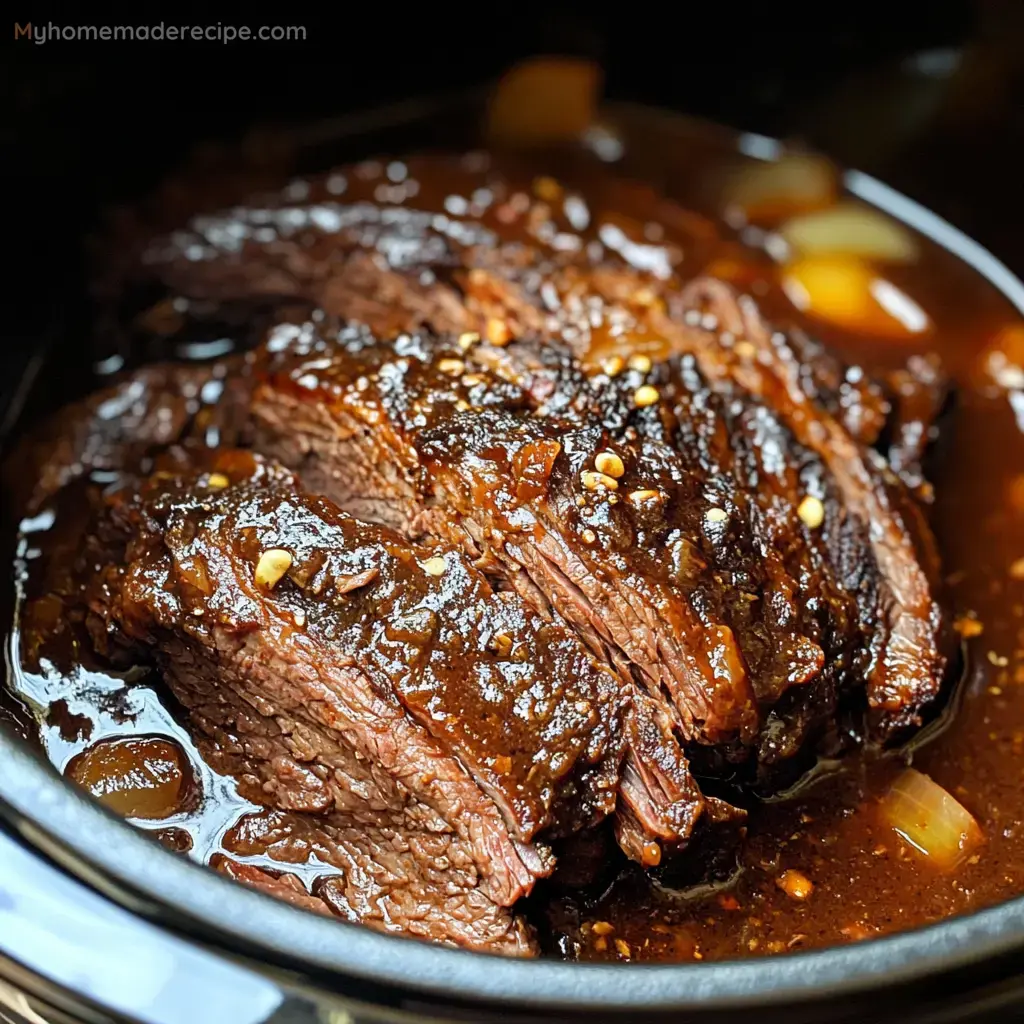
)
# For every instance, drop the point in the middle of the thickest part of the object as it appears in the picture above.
(824, 866)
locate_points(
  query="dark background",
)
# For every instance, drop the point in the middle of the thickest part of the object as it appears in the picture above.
(928, 96)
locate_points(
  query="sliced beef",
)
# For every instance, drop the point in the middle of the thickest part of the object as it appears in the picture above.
(693, 574)
(379, 882)
(912, 643)
(506, 266)
(506, 262)
(284, 886)
(462, 455)
(134, 418)
(395, 881)
(382, 685)
(320, 252)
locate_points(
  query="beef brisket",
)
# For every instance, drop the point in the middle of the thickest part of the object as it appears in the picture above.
(693, 573)
(564, 276)
(384, 686)
(579, 536)
(506, 264)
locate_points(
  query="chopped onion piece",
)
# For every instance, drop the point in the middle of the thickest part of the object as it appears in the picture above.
(850, 229)
(136, 776)
(850, 294)
(544, 100)
(774, 189)
(928, 818)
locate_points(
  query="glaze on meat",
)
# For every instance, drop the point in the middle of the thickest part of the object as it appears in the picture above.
(488, 548)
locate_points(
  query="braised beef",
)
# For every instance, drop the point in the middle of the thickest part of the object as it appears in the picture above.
(583, 545)
(692, 574)
(483, 270)
(385, 686)
(502, 266)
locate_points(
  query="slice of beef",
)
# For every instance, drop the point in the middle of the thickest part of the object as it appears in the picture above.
(284, 886)
(320, 252)
(383, 685)
(132, 419)
(912, 652)
(471, 246)
(400, 882)
(693, 573)
(379, 883)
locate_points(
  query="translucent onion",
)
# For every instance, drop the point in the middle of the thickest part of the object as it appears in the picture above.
(850, 228)
(136, 776)
(930, 819)
(544, 100)
(850, 294)
(773, 189)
